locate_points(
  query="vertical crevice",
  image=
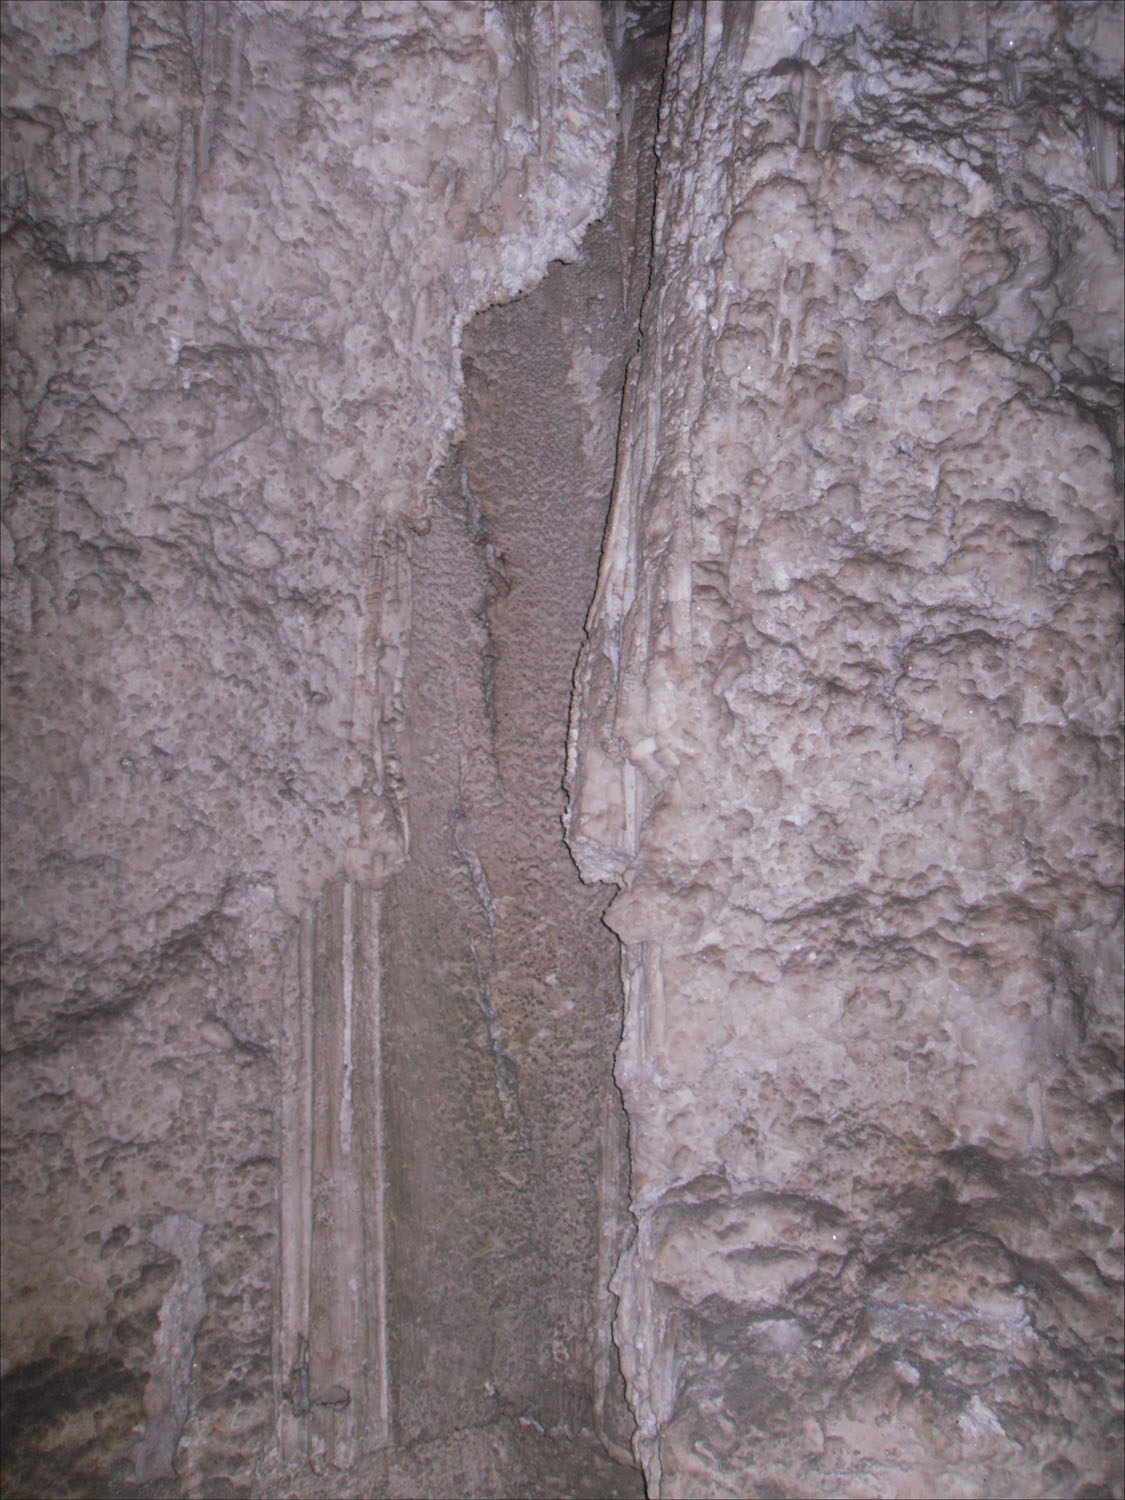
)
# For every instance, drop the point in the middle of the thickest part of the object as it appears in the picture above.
(638, 35)
(507, 1142)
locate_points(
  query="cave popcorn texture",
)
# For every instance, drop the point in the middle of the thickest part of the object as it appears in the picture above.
(847, 735)
(240, 245)
(315, 1173)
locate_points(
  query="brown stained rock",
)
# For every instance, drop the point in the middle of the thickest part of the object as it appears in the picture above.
(506, 1180)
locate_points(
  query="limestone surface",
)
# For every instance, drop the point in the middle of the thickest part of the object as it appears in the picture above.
(240, 242)
(847, 734)
(315, 1177)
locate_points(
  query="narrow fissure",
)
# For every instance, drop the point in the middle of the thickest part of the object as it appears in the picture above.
(507, 1168)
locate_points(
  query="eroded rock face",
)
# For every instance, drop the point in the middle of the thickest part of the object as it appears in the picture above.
(847, 734)
(310, 1144)
(240, 243)
(502, 984)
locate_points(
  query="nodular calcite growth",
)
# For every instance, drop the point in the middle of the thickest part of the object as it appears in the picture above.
(354, 357)
(847, 734)
(240, 246)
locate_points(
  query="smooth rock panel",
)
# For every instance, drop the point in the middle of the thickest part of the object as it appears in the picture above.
(506, 1173)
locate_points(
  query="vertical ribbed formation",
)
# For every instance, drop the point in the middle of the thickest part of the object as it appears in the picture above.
(335, 1401)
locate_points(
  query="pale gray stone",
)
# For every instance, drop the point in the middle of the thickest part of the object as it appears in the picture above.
(847, 735)
(366, 367)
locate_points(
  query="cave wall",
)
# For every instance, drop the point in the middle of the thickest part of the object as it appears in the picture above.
(847, 736)
(240, 243)
(502, 984)
(312, 1153)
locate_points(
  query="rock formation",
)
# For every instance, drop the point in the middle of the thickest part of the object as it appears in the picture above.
(847, 735)
(366, 366)
(240, 246)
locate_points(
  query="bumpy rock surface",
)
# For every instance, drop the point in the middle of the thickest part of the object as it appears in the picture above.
(847, 735)
(311, 1151)
(240, 243)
